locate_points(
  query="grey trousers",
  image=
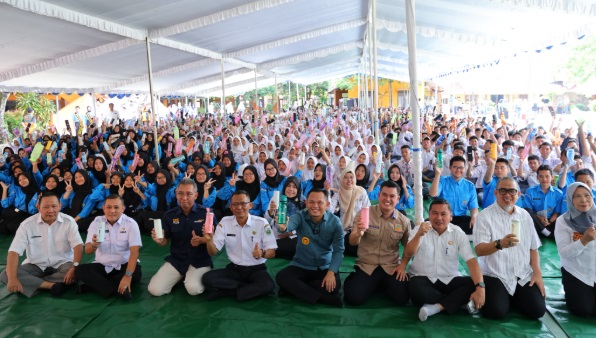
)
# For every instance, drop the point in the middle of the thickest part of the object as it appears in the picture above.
(31, 276)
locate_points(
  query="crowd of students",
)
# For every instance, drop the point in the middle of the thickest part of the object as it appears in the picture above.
(465, 163)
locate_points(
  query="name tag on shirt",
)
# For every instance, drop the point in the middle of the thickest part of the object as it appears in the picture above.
(536, 199)
(231, 235)
(35, 236)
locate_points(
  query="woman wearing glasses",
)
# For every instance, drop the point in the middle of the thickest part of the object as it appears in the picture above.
(273, 181)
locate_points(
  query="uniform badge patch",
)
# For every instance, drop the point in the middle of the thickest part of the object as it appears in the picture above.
(176, 221)
(450, 242)
(576, 236)
(305, 241)
(268, 231)
(254, 232)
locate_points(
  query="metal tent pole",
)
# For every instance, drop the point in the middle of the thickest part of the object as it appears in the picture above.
(153, 106)
(374, 40)
(411, 33)
(222, 106)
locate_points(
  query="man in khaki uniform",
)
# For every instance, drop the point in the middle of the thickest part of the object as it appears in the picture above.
(378, 264)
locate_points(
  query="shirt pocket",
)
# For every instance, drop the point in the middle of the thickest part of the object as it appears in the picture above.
(122, 236)
(35, 240)
(62, 245)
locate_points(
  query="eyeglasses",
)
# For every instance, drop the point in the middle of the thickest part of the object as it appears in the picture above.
(161, 177)
(188, 194)
(511, 192)
(239, 204)
(270, 169)
(249, 173)
(458, 168)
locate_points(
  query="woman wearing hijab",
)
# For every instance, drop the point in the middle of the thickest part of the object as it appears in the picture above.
(363, 178)
(219, 178)
(273, 181)
(206, 192)
(20, 204)
(53, 184)
(575, 234)
(350, 198)
(76, 201)
(309, 171)
(148, 177)
(406, 197)
(249, 182)
(318, 181)
(97, 173)
(161, 197)
(286, 242)
(134, 198)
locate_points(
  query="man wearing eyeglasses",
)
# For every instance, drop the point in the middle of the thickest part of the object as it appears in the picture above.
(188, 259)
(459, 192)
(313, 274)
(510, 263)
(249, 242)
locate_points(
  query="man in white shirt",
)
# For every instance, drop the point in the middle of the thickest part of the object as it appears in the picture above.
(54, 249)
(510, 264)
(435, 281)
(113, 117)
(249, 241)
(115, 267)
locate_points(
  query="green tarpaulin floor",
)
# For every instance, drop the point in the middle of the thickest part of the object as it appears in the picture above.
(181, 315)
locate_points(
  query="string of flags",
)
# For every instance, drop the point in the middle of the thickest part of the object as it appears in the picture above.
(496, 62)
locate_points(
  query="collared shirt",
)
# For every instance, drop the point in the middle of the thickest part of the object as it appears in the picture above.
(552, 162)
(379, 246)
(115, 249)
(577, 259)
(428, 159)
(178, 228)
(240, 240)
(47, 244)
(511, 265)
(553, 201)
(461, 194)
(437, 257)
(320, 245)
(407, 170)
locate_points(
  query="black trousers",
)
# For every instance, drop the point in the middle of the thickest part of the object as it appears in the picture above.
(359, 286)
(286, 247)
(350, 250)
(250, 282)
(106, 284)
(305, 284)
(463, 222)
(451, 296)
(579, 296)
(527, 299)
(11, 220)
(539, 226)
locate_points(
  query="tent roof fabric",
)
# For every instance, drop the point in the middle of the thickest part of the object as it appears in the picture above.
(99, 46)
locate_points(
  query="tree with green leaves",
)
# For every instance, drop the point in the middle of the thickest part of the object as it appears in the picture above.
(42, 106)
(3, 130)
(581, 66)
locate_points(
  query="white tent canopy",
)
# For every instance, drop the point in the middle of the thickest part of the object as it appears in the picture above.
(98, 46)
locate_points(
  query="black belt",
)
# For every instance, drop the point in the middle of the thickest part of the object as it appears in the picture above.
(247, 267)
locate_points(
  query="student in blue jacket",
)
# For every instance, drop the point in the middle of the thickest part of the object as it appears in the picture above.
(162, 197)
(77, 201)
(19, 204)
(273, 181)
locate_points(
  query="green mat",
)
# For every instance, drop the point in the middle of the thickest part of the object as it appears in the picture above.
(181, 315)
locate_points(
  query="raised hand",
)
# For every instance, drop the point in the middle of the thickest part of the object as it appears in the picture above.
(208, 184)
(195, 240)
(68, 186)
(257, 253)
(121, 190)
(233, 180)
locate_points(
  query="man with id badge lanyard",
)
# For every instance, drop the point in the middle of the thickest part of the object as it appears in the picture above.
(249, 242)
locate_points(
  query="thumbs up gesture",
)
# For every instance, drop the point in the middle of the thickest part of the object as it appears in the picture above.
(257, 253)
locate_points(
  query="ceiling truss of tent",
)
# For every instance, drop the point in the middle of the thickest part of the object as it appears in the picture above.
(275, 38)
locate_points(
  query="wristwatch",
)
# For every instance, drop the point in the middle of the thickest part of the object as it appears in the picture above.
(498, 244)
(128, 273)
(75, 264)
(480, 284)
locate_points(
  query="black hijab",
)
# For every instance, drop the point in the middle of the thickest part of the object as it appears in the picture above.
(274, 181)
(80, 192)
(220, 180)
(30, 190)
(150, 178)
(100, 175)
(60, 186)
(400, 182)
(296, 181)
(364, 181)
(232, 167)
(320, 184)
(254, 188)
(162, 190)
(201, 185)
(131, 199)
(114, 188)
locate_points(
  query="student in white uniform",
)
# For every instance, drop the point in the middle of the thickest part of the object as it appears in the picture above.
(115, 267)
(249, 242)
(47, 266)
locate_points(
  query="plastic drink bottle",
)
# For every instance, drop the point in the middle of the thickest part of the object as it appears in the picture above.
(282, 209)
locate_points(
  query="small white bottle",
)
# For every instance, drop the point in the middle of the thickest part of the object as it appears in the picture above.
(101, 232)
